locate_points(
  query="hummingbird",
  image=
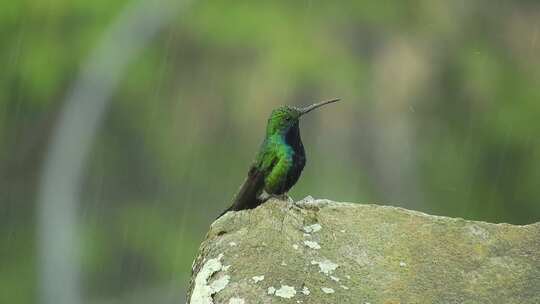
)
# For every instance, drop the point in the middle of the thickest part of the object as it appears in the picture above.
(280, 160)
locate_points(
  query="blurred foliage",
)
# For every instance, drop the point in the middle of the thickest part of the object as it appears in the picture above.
(442, 100)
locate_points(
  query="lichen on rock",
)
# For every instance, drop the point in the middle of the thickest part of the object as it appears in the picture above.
(203, 289)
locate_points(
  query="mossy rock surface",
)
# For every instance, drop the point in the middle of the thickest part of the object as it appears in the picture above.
(319, 251)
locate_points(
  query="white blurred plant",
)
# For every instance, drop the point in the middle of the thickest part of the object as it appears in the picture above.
(72, 138)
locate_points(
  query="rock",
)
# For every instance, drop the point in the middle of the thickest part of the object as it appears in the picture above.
(368, 254)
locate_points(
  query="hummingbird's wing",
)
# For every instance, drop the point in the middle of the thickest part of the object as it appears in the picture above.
(247, 196)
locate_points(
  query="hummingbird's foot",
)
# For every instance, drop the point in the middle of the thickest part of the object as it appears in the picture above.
(289, 199)
(264, 197)
(282, 197)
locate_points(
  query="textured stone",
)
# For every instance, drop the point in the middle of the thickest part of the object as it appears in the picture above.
(369, 254)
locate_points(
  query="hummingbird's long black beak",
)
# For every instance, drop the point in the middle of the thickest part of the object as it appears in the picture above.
(312, 107)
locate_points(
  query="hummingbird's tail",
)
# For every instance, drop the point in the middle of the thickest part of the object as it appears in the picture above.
(225, 211)
(247, 196)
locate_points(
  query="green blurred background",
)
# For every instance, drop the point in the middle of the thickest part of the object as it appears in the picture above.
(441, 114)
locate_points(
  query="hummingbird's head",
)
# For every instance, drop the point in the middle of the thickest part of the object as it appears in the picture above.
(285, 117)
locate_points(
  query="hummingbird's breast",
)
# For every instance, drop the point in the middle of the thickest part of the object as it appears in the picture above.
(290, 152)
(294, 141)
